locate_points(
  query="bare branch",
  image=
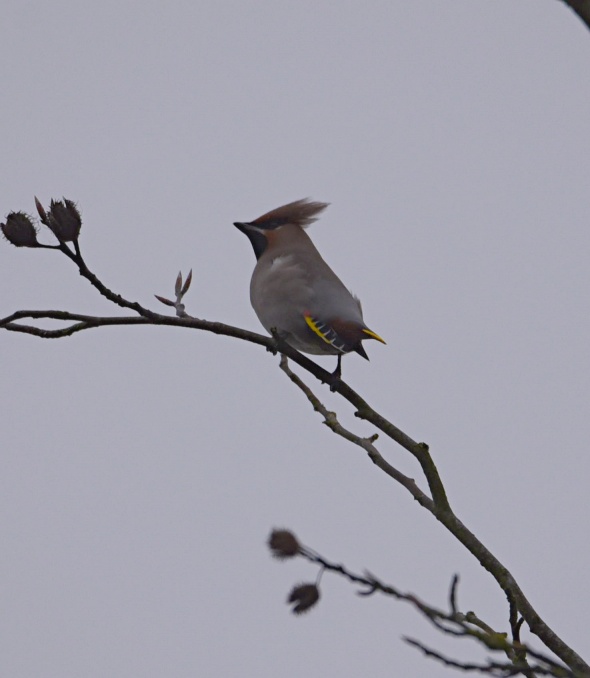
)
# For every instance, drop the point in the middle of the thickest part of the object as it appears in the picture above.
(453, 594)
(85, 272)
(581, 8)
(452, 623)
(86, 322)
(367, 444)
(516, 598)
(502, 670)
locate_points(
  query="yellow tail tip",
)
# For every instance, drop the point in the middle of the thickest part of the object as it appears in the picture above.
(374, 335)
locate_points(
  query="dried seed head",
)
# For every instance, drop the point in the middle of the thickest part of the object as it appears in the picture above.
(64, 220)
(20, 230)
(283, 544)
(304, 596)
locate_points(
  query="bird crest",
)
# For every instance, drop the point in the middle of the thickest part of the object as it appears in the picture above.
(301, 213)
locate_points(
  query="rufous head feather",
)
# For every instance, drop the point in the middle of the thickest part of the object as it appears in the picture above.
(301, 213)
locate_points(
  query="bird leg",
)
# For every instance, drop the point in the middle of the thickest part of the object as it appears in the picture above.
(338, 371)
(336, 375)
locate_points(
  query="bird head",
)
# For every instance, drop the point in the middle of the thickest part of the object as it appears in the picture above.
(266, 228)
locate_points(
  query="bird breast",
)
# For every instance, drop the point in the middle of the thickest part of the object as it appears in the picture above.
(287, 286)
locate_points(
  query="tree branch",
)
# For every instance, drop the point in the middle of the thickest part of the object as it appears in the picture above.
(516, 598)
(501, 670)
(581, 8)
(284, 544)
(437, 504)
(367, 444)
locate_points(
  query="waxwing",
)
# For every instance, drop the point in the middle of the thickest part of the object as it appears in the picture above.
(295, 293)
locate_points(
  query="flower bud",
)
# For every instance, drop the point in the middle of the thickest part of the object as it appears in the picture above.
(304, 596)
(64, 220)
(283, 544)
(20, 230)
(41, 211)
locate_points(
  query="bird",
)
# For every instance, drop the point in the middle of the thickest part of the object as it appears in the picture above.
(295, 294)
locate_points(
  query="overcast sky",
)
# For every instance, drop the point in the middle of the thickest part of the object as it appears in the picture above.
(142, 468)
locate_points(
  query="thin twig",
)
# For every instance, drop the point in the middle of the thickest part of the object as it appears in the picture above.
(491, 668)
(453, 594)
(367, 444)
(452, 623)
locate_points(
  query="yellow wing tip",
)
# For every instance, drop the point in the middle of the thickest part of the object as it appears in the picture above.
(313, 325)
(373, 335)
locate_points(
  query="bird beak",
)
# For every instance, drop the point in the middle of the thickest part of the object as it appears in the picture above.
(256, 238)
(242, 226)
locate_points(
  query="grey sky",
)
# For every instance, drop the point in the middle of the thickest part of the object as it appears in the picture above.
(142, 468)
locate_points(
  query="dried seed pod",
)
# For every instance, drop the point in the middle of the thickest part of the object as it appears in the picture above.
(283, 544)
(64, 220)
(304, 596)
(20, 230)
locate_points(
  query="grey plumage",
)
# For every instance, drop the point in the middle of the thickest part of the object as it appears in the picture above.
(294, 292)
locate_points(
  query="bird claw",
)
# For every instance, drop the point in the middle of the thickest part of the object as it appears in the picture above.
(335, 377)
(278, 341)
(334, 381)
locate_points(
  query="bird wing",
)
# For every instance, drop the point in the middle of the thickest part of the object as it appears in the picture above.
(326, 332)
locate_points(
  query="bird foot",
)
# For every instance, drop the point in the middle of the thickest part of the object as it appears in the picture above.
(334, 381)
(336, 376)
(278, 342)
